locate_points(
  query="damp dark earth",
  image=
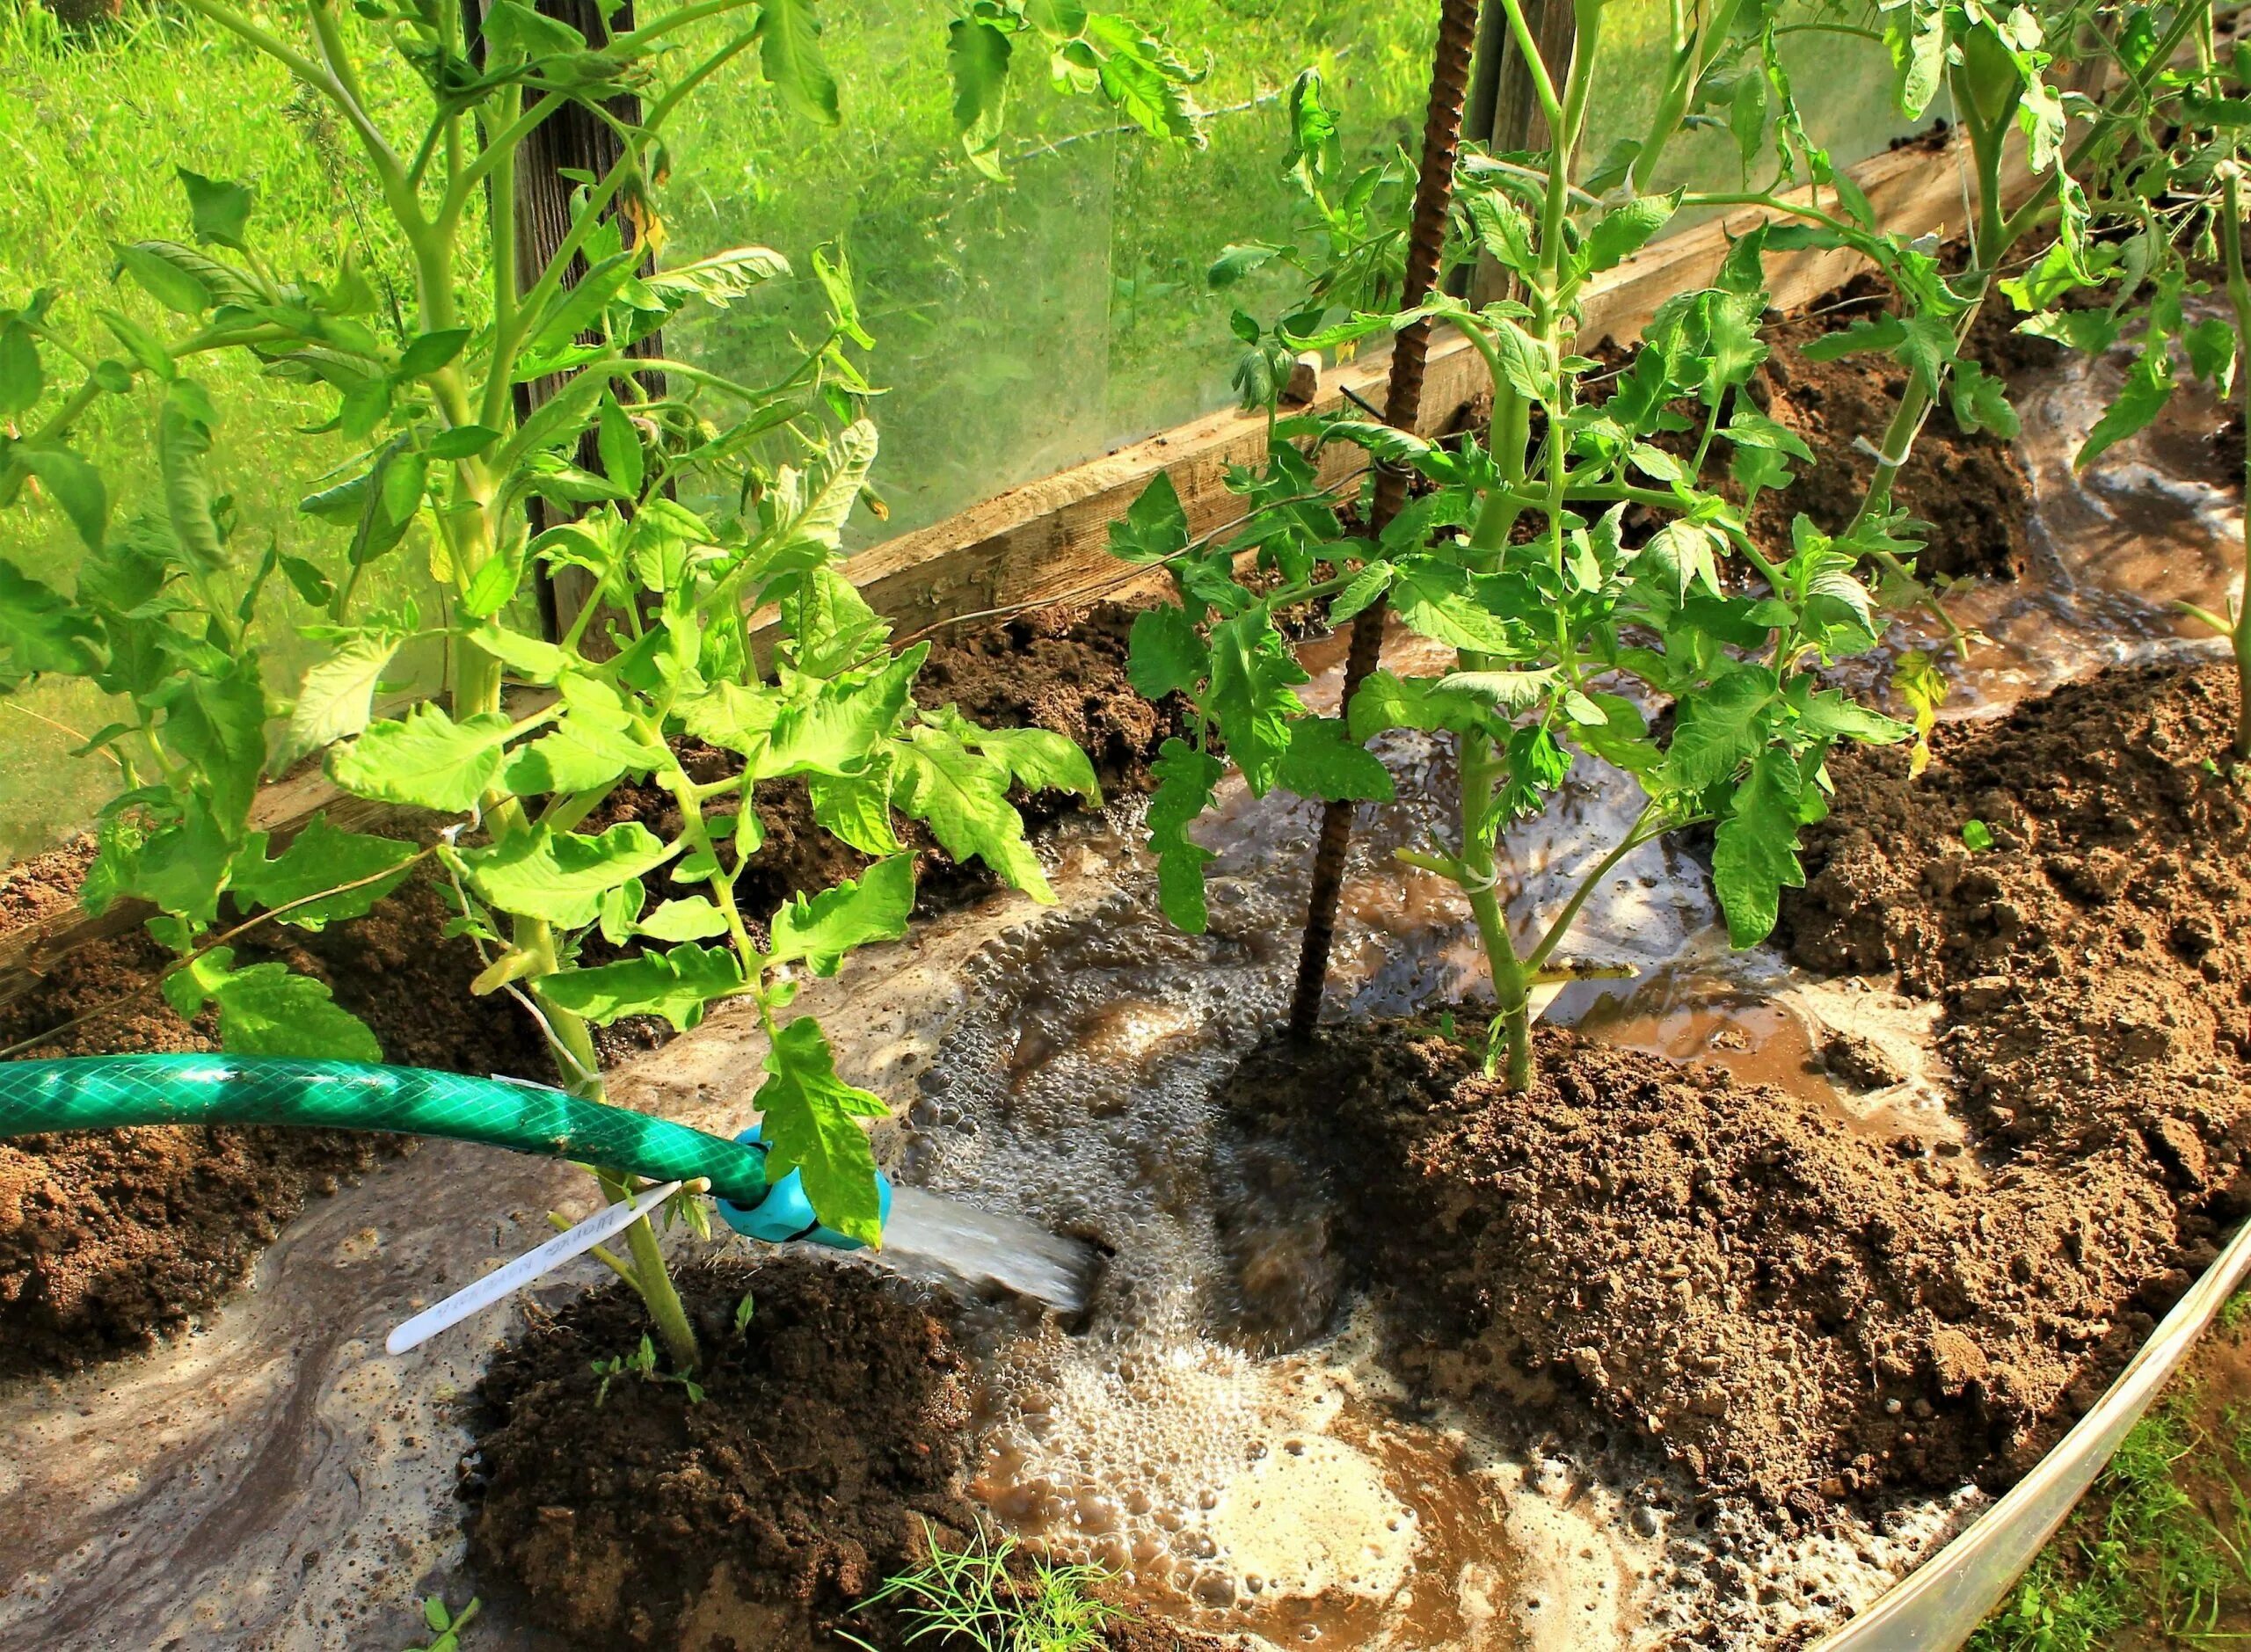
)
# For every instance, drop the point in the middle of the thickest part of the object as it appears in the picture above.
(1306, 1402)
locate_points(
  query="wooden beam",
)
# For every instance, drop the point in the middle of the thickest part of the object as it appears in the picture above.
(1047, 542)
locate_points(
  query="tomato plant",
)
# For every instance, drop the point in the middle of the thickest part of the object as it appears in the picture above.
(164, 612)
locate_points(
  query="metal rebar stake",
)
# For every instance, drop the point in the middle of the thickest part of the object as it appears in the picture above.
(1403, 406)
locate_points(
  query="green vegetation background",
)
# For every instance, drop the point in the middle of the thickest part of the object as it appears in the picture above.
(1021, 328)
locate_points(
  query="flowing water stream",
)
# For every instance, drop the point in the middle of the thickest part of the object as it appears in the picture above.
(1215, 1426)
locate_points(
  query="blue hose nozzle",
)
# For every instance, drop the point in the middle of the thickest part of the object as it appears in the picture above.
(785, 1213)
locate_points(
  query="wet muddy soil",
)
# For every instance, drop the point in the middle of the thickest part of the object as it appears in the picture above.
(1787, 1306)
(635, 1514)
(825, 1448)
(109, 1240)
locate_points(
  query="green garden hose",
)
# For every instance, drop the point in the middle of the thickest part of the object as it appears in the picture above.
(108, 1092)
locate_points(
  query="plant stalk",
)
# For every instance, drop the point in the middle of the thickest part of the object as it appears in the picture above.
(2239, 294)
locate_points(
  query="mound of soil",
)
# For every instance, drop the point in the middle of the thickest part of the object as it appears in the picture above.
(2095, 964)
(1788, 1307)
(109, 1239)
(751, 1518)
(1972, 489)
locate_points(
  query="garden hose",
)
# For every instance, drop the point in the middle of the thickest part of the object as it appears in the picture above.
(113, 1092)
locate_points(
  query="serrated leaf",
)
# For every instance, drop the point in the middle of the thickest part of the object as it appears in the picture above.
(1717, 728)
(1388, 702)
(1507, 693)
(1754, 853)
(562, 876)
(1186, 782)
(1155, 526)
(808, 1118)
(1827, 713)
(1623, 230)
(857, 808)
(693, 918)
(1436, 598)
(2148, 386)
(337, 697)
(218, 724)
(265, 1010)
(788, 45)
(1165, 654)
(319, 857)
(678, 984)
(822, 930)
(1324, 761)
(1039, 760)
(426, 759)
(837, 727)
(977, 54)
(1252, 698)
(962, 796)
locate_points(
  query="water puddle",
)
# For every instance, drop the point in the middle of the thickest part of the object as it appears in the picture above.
(1216, 1427)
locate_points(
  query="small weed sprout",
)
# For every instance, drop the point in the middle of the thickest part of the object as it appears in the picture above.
(641, 1362)
(743, 1309)
(446, 1626)
(972, 1597)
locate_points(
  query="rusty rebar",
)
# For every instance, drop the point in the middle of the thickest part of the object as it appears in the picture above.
(1403, 408)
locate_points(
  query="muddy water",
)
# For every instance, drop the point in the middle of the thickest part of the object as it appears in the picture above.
(1216, 1429)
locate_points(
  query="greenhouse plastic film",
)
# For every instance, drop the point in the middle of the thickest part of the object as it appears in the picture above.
(1942, 1603)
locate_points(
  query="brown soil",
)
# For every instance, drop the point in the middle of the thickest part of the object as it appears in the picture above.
(1971, 490)
(1796, 1309)
(108, 1239)
(753, 1519)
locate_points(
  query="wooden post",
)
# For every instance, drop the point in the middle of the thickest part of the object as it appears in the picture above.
(571, 139)
(1513, 120)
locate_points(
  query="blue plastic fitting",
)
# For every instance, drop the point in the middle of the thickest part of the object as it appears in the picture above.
(785, 1213)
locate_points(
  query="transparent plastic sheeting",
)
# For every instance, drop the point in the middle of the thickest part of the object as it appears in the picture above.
(1942, 1603)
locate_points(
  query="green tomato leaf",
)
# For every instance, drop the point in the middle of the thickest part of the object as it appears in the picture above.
(1155, 526)
(809, 1118)
(337, 697)
(1187, 780)
(963, 797)
(1754, 854)
(562, 876)
(1253, 675)
(1165, 654)
(822, 930)
(1038, 759)
(1324, 761)
(2148, 387)
(265, 1010)
(695, 918)
(1718, 728)
(677, 984)
(857, 808)
(427, 761)
(1389, 702)
(320, 857)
